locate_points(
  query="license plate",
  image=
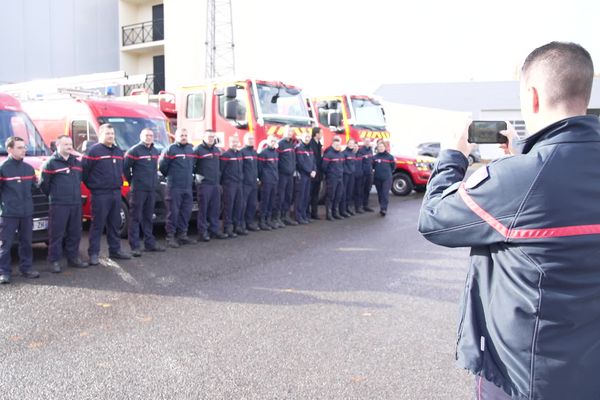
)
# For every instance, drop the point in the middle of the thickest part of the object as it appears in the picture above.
(40, 224)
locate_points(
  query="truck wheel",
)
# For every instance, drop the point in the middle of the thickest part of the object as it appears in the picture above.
(124, 214)
(401, 184)
(471, 159)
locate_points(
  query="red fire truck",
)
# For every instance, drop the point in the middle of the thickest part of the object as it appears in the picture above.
(80, 118)
(242, 107)
(15, 122)
(359, 117)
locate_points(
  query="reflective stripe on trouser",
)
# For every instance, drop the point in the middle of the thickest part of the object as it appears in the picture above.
(383, 192)
(486, 390)
(232, 204)
(179, 210)
(106, 212)
(64, 228)
(268, 192)
(8, 229)
(209, 206)
(141, 210)
(302, 197)
(335, 187)
(348, 195)
(250, 200)
(367, 185)
(285, 192)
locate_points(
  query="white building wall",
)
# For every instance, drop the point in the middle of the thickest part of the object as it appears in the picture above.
(185, 31)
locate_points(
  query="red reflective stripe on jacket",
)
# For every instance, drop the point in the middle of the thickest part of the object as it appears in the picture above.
(103, 158)
(179, 156)
(268, 159)
(308, 153)
(56, 171)
(285, 150)
(541, 233)
(231, 158)
(140, 157)
(333, 159)
(16, 178)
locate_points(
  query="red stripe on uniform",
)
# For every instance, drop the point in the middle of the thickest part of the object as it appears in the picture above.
(16, 178)
(140, 157)
(103, 158)
(231, 158)
(285, 150)
(541, 233)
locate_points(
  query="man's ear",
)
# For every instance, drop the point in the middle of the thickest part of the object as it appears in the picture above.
(535, 100)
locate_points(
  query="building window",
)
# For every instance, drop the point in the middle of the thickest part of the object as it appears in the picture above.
(195, 106)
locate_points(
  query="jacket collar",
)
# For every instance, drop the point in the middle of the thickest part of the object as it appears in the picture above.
(584, 128)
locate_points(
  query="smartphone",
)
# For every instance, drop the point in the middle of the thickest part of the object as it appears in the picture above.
(487, 132)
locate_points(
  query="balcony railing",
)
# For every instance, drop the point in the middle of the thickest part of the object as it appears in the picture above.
(143, 32)
(154, 83)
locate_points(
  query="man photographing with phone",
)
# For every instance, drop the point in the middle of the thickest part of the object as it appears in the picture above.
(530, 314)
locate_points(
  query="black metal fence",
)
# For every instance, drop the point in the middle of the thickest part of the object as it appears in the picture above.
(154, 83)
(143, 32)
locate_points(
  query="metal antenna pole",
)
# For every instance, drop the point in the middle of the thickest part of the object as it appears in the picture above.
(220, 58)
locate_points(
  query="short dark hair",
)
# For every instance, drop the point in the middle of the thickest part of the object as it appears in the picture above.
(570, 72)
(10, 142)
(315, 130)
(337, 139)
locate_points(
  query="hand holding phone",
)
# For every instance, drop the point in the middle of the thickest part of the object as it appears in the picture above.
(483, 132)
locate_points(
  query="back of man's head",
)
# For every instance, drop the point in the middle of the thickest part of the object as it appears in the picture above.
(566, 72)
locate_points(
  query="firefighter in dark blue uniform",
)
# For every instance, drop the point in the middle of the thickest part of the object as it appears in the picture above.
(60, 180)
(268, 165)
(349, 166)
(287, 168)
(333, 169)
(315, 185)
(176, 164)
(208, 178)
(16, 209)
(366, 154)
(232, 176)
(103, 175)
(141, 171)
(307, 170)
(250, 184)
(383, 166)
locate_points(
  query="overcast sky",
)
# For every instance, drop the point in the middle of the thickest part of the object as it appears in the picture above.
(352, 45)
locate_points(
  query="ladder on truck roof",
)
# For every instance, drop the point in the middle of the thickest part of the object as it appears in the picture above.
(75, 86)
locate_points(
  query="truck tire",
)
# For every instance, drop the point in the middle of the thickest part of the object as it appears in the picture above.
(124, 214)
(401, 184)
(471, 159)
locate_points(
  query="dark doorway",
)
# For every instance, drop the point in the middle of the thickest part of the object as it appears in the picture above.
(159, 74)
(158, 26)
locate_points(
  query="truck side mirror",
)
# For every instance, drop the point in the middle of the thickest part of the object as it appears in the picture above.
(231, 92)
(231, 109)
(334, 118)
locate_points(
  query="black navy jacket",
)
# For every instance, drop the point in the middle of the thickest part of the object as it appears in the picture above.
(176, 163)
(232, 167)
(60, 180)
(103, 168)
(366, 155)
(349, 161)
(333, 164)
(317, 149)
(268, 166)
(305, 159)
(17, 180)
(358, 165)
(384, 165)
(530, 312)
(250, 166)
(287, 157)
(141, 167)
(208, 163)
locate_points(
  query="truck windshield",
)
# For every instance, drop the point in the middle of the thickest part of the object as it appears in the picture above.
(17, 123)
(282, 104)
(127, 130)
(368, 113)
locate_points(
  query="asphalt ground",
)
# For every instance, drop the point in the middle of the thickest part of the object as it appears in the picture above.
(362, 308)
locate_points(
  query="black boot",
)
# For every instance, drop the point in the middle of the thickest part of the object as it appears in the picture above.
(263, 224)
(328, 215)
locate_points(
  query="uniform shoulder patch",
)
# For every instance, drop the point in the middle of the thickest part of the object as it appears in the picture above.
(477, 177)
